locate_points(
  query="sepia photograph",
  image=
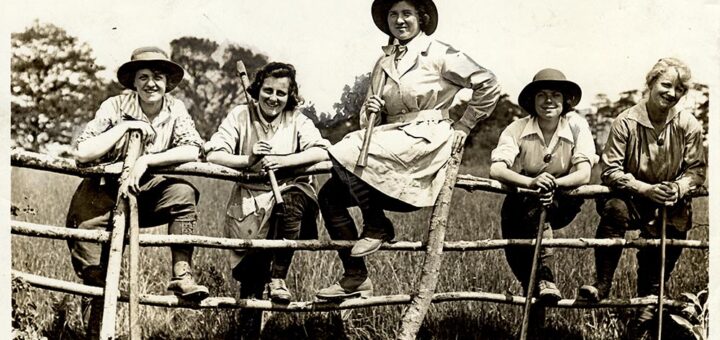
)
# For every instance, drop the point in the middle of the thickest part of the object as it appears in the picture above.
(366, 169)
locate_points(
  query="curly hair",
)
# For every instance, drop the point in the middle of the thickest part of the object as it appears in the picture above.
(663, 65)
(277, 70)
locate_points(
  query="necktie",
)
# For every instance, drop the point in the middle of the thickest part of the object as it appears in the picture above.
(400, 51)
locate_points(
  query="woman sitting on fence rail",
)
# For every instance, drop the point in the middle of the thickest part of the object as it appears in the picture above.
(412, 86)
(274, 136)
(170, 138)
(551, 149)
(654, 156)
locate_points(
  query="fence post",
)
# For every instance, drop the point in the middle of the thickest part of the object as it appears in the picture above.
(415, 314)
(112, 279)
(134, 245)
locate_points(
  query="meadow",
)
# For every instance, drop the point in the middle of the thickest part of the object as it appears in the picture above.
(44, 197)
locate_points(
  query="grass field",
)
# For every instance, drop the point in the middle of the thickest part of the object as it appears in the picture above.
(44, 198)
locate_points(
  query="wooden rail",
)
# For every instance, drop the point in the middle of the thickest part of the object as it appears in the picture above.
(153, 240)
(318, 306)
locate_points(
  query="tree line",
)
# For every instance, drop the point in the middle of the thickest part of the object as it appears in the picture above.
(56, 88)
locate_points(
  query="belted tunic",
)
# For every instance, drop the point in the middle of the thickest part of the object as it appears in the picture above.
(412, 140)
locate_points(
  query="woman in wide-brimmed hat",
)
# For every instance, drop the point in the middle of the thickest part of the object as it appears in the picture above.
(413, 140)
(170, 138)
(654, 156)
(551, 148)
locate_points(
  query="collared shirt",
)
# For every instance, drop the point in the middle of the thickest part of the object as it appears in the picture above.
(173, 125)
(523, 148)
(634, 157)
(250, 205)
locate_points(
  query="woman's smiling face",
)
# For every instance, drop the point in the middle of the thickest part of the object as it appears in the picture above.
(273, 96)
(150, 85)
(548, 104)
(403, 21)
(667, 90)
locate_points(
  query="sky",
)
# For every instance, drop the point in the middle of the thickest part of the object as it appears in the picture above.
(605, 46)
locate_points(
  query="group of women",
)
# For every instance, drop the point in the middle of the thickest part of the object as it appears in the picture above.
(653, 158)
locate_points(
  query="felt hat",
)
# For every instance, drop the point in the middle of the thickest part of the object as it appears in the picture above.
(550, 78)
(153, 58)
(380, 9)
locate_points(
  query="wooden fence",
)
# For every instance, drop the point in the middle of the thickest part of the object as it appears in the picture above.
(419, 300)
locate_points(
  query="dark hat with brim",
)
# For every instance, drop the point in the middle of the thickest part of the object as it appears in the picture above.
(380, 9)
(151, 58)
(553, 79)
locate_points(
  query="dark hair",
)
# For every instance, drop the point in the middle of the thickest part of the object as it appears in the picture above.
(277, 70)
(420, 8)
(566, 102)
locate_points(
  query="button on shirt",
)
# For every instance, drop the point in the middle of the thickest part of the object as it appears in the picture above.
(522, 147)
(173, 125)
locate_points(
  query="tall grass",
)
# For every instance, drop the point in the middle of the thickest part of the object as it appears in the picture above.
(44, 198)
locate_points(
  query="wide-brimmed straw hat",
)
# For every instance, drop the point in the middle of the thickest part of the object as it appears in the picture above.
(154, 58)
(380, 9)
(550, 78)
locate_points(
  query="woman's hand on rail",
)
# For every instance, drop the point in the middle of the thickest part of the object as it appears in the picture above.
(133, 181)
(546, 197)
(543, 182)
(274, 162)
(459, 138)
(660, 193)
(259, 150)
(145, 129)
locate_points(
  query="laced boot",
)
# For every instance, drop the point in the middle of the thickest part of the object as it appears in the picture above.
(183, 284)
(279, 292)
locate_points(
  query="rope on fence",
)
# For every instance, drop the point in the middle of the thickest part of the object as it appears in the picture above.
(319, 306)
(152, 240)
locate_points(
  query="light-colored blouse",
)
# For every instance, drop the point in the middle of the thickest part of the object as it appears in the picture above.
(523, 148)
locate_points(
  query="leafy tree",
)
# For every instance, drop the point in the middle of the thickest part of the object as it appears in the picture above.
(54, 86)
(212, 86)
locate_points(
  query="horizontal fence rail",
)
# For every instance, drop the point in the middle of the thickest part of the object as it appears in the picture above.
(318, 306)
(467, 182)
(152, 240)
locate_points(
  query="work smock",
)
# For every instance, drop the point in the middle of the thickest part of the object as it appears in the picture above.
(409, 152)
(249, 208)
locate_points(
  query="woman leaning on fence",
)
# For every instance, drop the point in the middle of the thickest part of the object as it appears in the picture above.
(271, 136)
(550, 149)
(653, 157)
(412, 86)
(169, 137)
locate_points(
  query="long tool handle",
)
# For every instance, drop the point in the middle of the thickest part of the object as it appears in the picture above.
(245, 81)
(362, 158)
(533, 273)
(661, 295)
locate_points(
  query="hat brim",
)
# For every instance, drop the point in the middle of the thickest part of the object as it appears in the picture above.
(571, 93)
(126, 72)
(380, 9)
